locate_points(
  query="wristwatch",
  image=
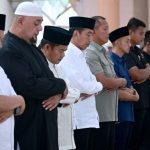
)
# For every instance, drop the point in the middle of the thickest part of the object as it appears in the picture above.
(17, 110)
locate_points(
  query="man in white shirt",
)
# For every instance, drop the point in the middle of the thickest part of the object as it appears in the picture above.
(9, 102)
(86, 118)
(53, 46)
(2, 27)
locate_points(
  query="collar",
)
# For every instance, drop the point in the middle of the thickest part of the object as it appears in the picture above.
(146, 54)
(74, 49)
(117, 57)
(50, 64)
(99, 47)
(136, 50)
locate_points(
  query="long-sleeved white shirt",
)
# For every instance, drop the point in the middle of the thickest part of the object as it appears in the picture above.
(80, 77)
(7, 127)
(65, 120)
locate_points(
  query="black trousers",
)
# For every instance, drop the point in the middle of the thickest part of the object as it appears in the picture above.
(84, 138)
(123, 135)
(138, 129)
(105, 136)
(146, 140)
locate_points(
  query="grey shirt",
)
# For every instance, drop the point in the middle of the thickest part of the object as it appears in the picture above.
(107, 101)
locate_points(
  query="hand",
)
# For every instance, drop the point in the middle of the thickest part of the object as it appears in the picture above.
(123, 82)
(21, 105)
(65, 93)
(139, 82)
(65, 105)
(52, 102)
(84, 96)
(136, 95)
(5, 115)
(129, 90)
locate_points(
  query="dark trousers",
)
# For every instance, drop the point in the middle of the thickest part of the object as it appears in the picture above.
(123, 135)
(146, 140)
(138, 129)
(105, 136)
(84, 138)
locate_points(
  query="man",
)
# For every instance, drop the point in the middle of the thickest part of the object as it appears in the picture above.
(146, 53)
(53, 45)
(146, 49)
(106, 102)
(9, 103)
(28, 71)
(74, 65)
(121, 46)
(2, 27)
(139, 71)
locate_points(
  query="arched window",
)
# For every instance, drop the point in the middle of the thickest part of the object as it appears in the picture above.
(55, 12)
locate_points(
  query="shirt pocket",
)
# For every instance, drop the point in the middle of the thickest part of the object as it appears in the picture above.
(108, 67)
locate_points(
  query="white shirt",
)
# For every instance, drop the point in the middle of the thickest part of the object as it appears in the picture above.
(80, 77)
(7, 127)
(65, 121)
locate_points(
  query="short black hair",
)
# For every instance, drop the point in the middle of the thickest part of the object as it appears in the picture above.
(135, 23)
(98, 20)
(147, 37)
(78, 29)
(43, 42)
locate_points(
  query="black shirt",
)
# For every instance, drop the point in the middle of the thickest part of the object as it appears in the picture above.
(147, 57)
(28, 71)
(136, 58)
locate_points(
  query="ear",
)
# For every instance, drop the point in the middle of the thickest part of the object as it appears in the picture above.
(46, 49)
(75, 33)
(116, 42)
(94, 31)
(20, 20)
(130, 32)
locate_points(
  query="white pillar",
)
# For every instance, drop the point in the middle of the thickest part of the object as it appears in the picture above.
(6, 8)
(126, 11)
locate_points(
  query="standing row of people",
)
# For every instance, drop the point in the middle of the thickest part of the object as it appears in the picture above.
(102, 97)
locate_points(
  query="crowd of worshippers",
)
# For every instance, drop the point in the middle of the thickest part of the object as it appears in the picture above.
(70, 91)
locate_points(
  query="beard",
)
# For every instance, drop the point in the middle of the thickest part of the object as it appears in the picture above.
(33, 40)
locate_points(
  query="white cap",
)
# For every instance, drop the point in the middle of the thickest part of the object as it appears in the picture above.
(28, 9)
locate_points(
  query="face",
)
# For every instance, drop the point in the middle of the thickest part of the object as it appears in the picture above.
(55, 54)
(1, 37)
(83, 38)
(124, 44)
(137, 36)
(31, 26)
(147, 46)
(101, 32)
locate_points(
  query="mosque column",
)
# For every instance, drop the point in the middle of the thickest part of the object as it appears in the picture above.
(148, 26)
(141, 10)
(126, 11)
(6, 8)
(106, 8)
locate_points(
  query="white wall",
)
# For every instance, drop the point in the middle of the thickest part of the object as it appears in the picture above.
(126, 11)
(6, 8)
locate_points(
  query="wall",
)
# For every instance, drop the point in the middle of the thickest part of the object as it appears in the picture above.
(6, 8)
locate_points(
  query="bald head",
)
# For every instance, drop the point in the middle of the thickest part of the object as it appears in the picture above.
(27, 22)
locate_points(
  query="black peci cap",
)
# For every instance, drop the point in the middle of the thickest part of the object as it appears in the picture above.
(2, 21)
(57, 35)
(81, 22)
(118, 33)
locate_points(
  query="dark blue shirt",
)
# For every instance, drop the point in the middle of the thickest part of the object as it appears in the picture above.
(125, 108)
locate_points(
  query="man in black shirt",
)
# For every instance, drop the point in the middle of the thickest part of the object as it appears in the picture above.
(139, 71)
(31, 77)
(146, 49)
(146, 53)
